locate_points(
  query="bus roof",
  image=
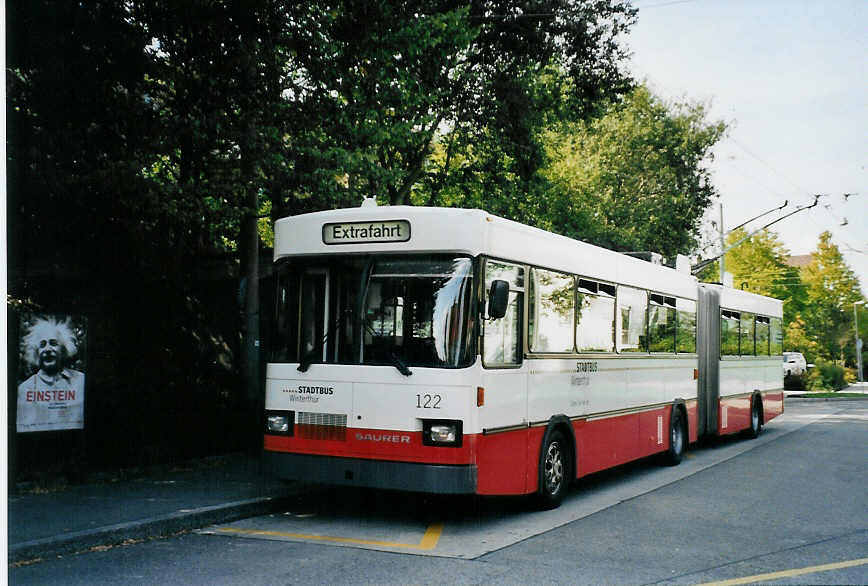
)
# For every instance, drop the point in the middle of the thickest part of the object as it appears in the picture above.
(738, 300)
(398, 229)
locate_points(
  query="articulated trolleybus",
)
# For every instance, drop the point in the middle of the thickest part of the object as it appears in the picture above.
(453, 351)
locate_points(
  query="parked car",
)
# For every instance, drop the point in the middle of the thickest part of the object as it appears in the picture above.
(794, 364)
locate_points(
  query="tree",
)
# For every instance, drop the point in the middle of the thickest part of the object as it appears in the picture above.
(759, 265)
(634, 178)
(122, 184)
(377, 81)
(145, 134)
(79, 132)
(832, 287)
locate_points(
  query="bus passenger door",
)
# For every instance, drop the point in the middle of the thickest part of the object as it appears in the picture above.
(502, 448)
(314, 314)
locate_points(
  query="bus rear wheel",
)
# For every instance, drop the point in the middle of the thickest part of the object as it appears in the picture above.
(677, 439)
(756, 410)
(555, 471)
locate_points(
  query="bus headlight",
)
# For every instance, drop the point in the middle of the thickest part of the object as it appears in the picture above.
(442, 432)
(279, 422)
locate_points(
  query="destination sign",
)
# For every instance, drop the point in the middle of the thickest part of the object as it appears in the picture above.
(366, 232)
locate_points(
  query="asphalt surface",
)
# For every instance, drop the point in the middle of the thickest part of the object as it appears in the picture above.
(796, 504)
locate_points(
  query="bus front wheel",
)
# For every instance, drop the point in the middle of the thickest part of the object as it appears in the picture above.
(555, 471)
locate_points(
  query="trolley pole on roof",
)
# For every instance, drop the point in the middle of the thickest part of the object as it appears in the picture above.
(724, 249)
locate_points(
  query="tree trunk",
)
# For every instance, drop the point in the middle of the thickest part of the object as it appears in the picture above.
(248, 244)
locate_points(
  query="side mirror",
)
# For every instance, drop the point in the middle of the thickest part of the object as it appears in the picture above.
(498, 299)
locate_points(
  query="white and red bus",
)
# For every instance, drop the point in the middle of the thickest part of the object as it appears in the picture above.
(453, 351)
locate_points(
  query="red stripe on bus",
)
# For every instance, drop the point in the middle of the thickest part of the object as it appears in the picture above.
(370, 444)
(507, 463)
(773, 405)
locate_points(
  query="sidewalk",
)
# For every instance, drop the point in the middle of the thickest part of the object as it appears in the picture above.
(76, 518)
(857, 388)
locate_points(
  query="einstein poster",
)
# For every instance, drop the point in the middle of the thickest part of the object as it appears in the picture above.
(52, 364)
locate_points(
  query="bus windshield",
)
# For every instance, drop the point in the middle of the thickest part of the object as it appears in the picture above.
(401, 310)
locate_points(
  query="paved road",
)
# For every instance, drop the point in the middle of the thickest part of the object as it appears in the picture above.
(789, 508)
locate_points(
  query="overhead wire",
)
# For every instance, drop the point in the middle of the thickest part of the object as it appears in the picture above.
(842, 225)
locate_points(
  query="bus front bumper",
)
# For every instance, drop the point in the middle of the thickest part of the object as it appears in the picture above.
(408, 476)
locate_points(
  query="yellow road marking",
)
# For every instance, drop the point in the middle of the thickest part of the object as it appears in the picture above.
(788, 573)
(428, 542)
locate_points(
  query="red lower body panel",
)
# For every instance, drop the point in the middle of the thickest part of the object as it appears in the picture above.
(507, 463)
(604, 443)
(773, 405)
(502, 461)
(734, 412)
(692, 420)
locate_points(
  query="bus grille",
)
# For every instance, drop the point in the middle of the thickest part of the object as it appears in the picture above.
(321, 426)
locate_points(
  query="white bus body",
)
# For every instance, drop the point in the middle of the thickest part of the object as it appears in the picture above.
(387, 373)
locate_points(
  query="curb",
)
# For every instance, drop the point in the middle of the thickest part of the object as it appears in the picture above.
(151, 527)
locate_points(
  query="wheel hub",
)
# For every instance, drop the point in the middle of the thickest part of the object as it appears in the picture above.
(554, 468)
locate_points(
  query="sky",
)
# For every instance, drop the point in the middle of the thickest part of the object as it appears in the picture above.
(790, 78)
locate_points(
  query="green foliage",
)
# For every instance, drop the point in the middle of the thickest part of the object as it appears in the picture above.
(634, 178)
(796, 338)
(759, 265)
(818, 300)
(826, 376)
(373, 83)
(831, 289)
(166, 120)
(146, 137)
(631, 178)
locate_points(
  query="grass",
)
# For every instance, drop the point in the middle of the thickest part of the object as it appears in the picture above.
(831, 395)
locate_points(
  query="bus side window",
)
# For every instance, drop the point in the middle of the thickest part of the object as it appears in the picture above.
(685, 340)
(501, 341)
(776, 337)
(747, 345)
(729, 334)
(661, 323)
(551, 312)
(762, 336)
(595, 317)
(632, 320)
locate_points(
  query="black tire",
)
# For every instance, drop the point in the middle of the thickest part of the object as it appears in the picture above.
(756, 414)
(677, 439)
(555, 471)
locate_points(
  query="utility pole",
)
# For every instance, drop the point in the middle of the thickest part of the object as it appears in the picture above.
(858, 340)
(722, 247)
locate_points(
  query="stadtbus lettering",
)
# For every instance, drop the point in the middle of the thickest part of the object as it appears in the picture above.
(317, 390)
(586, 367)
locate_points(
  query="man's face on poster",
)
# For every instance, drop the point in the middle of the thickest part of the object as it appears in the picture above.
(50, 354)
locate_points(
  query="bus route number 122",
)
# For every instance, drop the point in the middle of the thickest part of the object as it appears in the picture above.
(428, 401)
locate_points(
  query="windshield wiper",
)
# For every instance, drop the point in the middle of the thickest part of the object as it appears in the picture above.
(309, 357)
(400, 364)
